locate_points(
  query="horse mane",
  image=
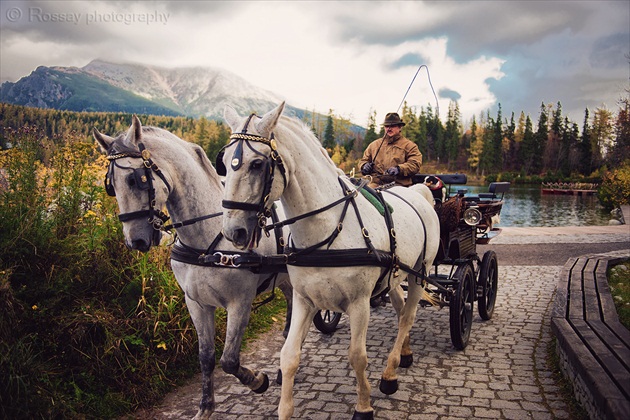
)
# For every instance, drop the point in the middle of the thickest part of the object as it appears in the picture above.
(299, 126)
(120, 145)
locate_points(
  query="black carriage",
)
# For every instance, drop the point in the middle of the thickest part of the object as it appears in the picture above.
(459, 276)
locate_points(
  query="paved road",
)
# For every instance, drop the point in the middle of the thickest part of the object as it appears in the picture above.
(501, 374)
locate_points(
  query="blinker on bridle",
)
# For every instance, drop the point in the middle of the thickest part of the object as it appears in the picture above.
(143, 179)
(263, 207)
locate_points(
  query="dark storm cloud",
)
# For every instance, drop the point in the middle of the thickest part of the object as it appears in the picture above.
(610, 51)
(575, 52)
(473, 28)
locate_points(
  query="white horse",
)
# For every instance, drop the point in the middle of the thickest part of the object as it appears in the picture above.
(150, 168)
(332, 258)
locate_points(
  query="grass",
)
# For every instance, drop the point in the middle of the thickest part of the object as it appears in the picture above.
(619, 283)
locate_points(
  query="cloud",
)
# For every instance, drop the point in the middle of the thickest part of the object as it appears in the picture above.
(610, 51)
(449, 94)
(351, 56)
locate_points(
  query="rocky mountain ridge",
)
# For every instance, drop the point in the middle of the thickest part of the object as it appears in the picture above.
(137, 88)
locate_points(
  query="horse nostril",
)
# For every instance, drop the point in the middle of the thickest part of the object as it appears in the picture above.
(140, 245)
(240, 236)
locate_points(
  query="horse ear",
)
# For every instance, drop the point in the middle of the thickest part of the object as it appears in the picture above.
(230, 116)
(135, 131)
(104, 142)
(268, 122)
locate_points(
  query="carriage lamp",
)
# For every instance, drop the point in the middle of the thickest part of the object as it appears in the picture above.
(472, 216)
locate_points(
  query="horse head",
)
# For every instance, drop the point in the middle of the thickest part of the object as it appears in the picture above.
(139, 185)
(255, 175)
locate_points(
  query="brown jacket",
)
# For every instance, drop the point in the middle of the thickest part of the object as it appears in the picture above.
(397, 151)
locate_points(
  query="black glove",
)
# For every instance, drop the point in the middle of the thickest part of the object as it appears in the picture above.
(393, 171)
(367, 168)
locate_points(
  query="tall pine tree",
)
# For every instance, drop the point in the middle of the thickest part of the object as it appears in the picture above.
(329, 133)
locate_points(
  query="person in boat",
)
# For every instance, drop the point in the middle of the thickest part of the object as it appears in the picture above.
(392, 158)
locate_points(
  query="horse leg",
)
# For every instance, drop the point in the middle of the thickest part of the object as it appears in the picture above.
(389, 378)
(237, 319)
(359, 314)
(301, 318)
(398, 300)
(203, 320)
(287, 290)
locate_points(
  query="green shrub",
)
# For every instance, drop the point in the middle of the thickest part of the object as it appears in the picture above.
(615, 188)
(88, 328)
(619, 282)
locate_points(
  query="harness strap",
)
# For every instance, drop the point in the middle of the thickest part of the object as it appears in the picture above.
(238, 205)
(408, 269)
(389, 222)
(330, 239)
(340, 258)
(190, 221)
(348, 195)
(278, 231)
(149, 164)
(256, 263)
(364, 231)
(125, 217)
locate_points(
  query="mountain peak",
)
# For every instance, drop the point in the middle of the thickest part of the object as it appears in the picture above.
(191, 91)
(194, 91)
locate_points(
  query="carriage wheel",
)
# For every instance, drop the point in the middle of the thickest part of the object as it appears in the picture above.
(461, 306)
(488, 281)
(326, 321)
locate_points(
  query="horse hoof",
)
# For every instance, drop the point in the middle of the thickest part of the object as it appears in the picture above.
(388, 387)
(363, 416)
(279, 377)
(406, 361)
(262, 388)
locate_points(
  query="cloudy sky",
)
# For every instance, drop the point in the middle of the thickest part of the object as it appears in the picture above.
(350, 56)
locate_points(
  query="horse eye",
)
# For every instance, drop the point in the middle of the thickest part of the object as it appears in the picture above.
(256, 164)
(131, 180)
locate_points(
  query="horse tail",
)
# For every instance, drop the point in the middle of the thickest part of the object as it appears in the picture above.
(429, 297)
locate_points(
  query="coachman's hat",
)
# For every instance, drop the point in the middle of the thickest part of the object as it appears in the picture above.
(393, 119)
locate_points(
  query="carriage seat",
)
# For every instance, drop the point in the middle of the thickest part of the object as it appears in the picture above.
(441, 194)
(447, 179)
(494, 190)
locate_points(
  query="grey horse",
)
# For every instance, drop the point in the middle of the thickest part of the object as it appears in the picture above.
(152, 169)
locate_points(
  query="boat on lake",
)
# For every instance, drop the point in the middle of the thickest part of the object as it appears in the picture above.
(569, 188)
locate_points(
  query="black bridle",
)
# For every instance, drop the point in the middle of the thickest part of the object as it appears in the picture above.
(141, 178)
(273, 161)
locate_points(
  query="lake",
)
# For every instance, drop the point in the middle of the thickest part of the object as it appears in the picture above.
(525, 206)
